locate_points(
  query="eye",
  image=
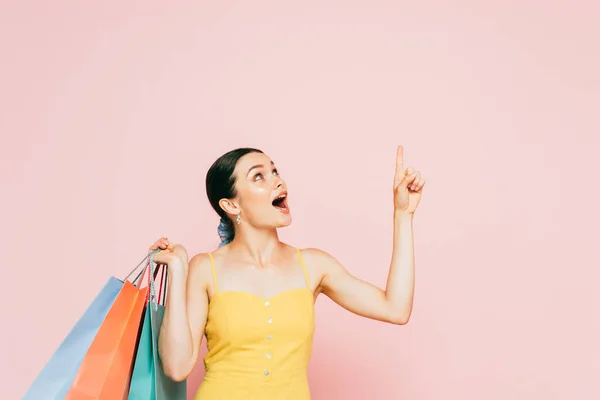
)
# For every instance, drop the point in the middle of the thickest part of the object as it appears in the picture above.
(275, 172)
(258, 177)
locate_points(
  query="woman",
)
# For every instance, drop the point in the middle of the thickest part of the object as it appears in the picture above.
(253, 297)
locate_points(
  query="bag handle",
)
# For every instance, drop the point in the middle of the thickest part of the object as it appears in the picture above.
(139, 275)
(162, 295)
(154, 267)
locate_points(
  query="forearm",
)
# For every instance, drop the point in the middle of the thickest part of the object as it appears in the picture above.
(400, 284)
(175, 338)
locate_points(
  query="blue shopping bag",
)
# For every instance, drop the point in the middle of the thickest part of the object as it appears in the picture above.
(148, 381)
(55, 379)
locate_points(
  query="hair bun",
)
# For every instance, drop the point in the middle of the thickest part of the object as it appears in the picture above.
(226, 232)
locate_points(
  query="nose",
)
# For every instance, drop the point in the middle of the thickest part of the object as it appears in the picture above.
(278, 182)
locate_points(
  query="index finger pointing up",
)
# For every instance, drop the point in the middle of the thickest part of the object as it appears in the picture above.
(399, 166)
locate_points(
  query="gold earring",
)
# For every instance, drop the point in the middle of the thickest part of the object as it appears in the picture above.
(238, 219)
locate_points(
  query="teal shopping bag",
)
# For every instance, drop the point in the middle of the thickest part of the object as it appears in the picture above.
(148, 381)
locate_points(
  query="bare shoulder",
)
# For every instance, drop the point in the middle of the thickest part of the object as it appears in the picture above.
(316, 255)
(200, 271)
(321, 262)
(199, 261)
(320, 257)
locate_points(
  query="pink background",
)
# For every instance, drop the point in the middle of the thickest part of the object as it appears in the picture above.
(112, 113)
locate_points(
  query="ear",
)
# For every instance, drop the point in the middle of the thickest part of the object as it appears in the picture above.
(229, 206)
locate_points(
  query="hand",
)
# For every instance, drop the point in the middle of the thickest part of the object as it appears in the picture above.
(408, 185)
(170, 254)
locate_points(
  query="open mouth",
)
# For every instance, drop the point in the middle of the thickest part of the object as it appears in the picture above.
(280, 203)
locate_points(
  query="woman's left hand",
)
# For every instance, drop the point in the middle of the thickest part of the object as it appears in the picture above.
(408, 185)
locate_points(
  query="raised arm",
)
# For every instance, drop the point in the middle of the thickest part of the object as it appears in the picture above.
(186, 311)
(394, 304)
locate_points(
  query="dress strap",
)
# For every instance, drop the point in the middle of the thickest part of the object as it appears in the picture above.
(303, 268)
(214, 271)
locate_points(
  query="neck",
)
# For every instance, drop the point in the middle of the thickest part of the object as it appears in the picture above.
(258, 245)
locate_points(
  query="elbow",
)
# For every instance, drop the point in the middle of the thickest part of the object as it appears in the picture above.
(176, 373)
(399, 320)
(176, 365)
(176, 369)
(399, 317)
(179, 377)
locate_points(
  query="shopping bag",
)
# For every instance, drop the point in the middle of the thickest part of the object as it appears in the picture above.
(106, 368)
(55, 379)
(149, 381)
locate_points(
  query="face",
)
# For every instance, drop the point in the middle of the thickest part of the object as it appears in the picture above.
(261, 193)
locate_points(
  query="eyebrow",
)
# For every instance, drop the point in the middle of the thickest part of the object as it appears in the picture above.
(257, 166)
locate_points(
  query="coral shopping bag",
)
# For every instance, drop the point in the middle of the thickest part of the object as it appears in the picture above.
(55, 379)
(149, 381)
(106, 369)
